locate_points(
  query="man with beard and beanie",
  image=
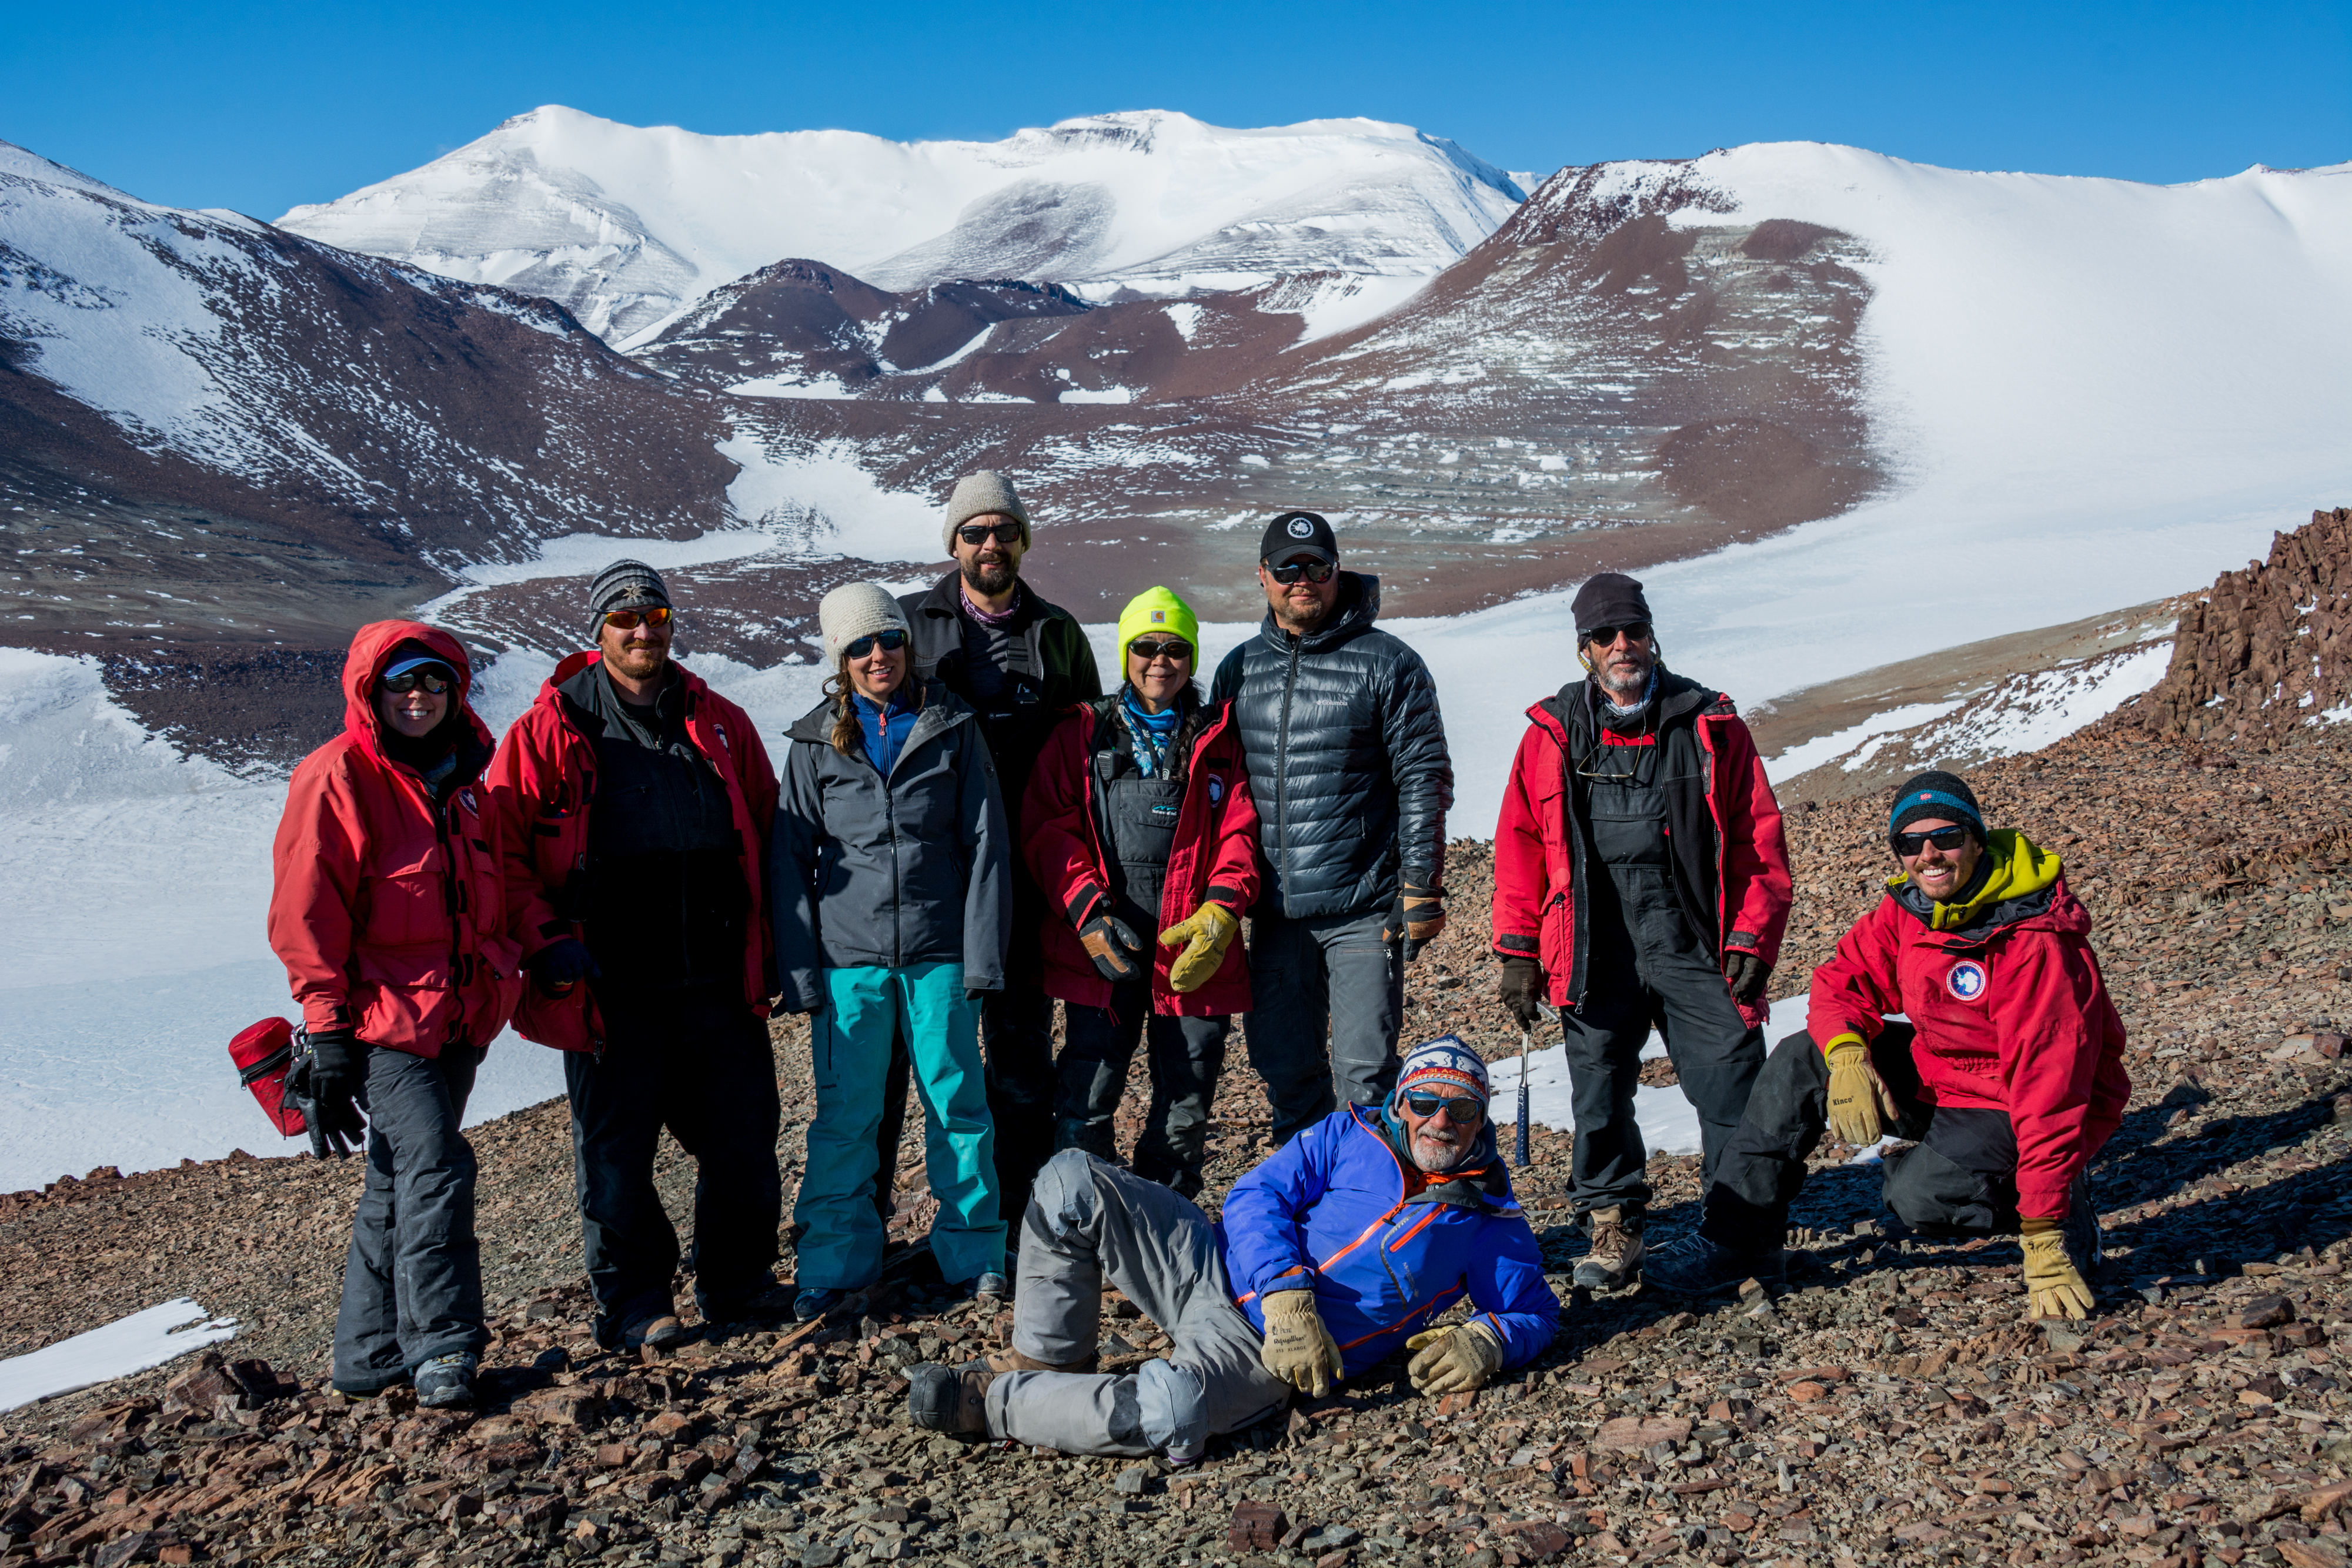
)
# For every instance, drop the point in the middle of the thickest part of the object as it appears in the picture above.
(638, 802)
(1349, 772)
(2006, 1079)
(1333, 1255)
(1019, 662)
(1641, 881)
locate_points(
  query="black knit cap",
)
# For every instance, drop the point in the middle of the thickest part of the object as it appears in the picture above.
(1296, 532)
(1935, 794)
(1609, 599)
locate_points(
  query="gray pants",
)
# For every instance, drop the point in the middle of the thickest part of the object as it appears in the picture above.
(413, 1282)
(1085, 1220)
(1327, 974)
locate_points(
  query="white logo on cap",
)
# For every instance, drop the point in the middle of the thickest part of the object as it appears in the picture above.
(1301, 528)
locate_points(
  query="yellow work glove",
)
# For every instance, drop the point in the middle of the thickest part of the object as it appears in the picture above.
(2053, 1283)
(1205, 938)
(1858, 1095)
(1299, 1349)
(1453, 1359)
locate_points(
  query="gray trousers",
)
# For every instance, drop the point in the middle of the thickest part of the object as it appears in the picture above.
(1087, 1219)
(1327, 974)
(413, 1281)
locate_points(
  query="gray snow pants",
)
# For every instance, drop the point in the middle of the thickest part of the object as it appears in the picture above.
(1325, 974)
(1085, 1220)
(413, 1281)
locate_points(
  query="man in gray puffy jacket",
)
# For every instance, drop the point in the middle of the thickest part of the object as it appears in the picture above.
(1348, 768)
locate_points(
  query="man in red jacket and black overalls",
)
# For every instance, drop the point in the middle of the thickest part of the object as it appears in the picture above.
(1641, 881)
(2008, 1077)
(637, 803)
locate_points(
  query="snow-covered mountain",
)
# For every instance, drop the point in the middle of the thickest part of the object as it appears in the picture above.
(626, 226)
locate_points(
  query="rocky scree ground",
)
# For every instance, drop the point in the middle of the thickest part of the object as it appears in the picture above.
(1892, 1405)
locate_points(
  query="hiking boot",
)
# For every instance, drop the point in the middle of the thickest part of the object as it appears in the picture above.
(660, 1332)
(1010, 1360)
(1616, 1255)
(815, 1301)
(949, 1398)
(991, 1286)
(447, 1380)
(1694, 1266)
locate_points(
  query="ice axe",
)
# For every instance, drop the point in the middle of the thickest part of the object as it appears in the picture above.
(1526, 1038)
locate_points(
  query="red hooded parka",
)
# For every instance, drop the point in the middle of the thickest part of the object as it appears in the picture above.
(390, 916)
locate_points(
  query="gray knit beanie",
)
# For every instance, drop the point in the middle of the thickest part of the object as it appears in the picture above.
(977, 494)
(624, 585)
(855, 609)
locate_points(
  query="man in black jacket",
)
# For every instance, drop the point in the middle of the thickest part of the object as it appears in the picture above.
(1019, 661)
(1349, 768)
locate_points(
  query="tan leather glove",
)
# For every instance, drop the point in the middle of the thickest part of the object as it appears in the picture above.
(2054, 1284)
(1453, 1359)
(1299, 1349)
(1423, 911)
(1205, 938)
(1858, 1095)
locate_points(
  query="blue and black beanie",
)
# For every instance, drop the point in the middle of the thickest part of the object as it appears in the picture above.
(1935, 794)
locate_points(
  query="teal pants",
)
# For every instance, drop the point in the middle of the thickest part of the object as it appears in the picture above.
(865, 1010)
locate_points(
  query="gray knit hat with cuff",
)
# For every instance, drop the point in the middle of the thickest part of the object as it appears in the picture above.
(855, 609)
(976, 494)
(624, 585)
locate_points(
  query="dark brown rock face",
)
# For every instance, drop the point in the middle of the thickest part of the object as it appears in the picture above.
(2267, 650)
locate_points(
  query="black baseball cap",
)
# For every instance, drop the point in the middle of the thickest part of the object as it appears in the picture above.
(1297, 533)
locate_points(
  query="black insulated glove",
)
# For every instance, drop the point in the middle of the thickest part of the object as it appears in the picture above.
(1112, 944)
(1743, 971)
(329, 1071)
(1521, 988)
(559, 965)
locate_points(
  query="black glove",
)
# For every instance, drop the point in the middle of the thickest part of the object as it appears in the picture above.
(328, 1073)
(559, 965)
(1522, 990)
(1743, 971)
(1117, 950)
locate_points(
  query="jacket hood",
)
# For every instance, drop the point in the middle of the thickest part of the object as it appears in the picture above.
(2020, 880)
(1358, 606)
(371, 652)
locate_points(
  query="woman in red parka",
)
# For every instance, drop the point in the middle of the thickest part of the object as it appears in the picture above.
(1138, 824)
(389, 913)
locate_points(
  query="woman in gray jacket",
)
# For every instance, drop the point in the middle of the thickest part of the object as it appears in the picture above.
(892, 906)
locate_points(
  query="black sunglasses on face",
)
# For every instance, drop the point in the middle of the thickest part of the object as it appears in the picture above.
(1945, 838)
(1634, 632)
(891, 641)
(1174, 648)
(980, 533)
(1311, 568)
(432, 681)
(1460, 1109)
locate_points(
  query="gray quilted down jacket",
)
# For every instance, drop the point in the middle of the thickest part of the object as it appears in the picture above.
(1346, 760)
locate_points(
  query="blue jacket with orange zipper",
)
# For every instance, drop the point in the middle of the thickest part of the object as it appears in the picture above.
(1386, 1246)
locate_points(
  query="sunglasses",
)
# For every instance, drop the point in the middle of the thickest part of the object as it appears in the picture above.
(1174, 648)
(629, 620)
(891, 641)
(980, 533)
(401, 686)
(1460, 1109)
(1945, 839)
(1311, 568)
(1632, 631)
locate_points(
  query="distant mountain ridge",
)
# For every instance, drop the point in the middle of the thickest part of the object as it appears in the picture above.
(628, 226)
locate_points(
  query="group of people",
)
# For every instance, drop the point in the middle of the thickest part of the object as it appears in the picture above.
(968, 829)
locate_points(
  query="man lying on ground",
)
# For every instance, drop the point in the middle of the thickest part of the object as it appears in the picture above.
(1339, 1250)
(2008, 1077)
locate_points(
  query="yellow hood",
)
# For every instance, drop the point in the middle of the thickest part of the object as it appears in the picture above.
(2020, 870)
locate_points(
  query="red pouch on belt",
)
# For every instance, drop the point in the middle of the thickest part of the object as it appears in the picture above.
(263, 1052)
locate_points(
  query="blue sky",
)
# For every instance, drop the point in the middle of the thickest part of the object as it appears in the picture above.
(259, 107)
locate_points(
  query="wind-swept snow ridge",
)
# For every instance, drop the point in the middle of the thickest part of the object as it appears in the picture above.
(627, 226)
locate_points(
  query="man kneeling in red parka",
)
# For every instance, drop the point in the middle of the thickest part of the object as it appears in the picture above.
(2008, 1077)
(389, 913)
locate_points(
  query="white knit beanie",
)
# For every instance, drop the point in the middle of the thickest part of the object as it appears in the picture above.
(977, 494)
(855, 609)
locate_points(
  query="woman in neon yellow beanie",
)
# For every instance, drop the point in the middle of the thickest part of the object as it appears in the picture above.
(1138, 821)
